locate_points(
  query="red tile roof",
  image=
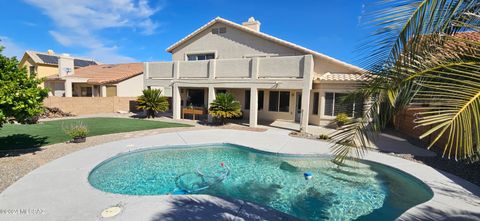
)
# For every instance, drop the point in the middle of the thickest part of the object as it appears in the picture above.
(473, 36)
(109, 73)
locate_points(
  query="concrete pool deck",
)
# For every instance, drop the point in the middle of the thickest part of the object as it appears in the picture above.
(60, 190)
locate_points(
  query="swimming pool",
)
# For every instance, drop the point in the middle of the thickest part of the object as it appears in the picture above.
(359, 190)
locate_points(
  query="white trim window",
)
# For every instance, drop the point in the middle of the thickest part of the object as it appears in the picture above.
(334, 104)
(200, 57)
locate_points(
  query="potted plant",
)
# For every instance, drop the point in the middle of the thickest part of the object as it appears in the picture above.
(77, 132)
(342, 119)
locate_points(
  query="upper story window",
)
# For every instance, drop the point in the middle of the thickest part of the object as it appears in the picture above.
(200, 57)
(220, 30)
(32, 71)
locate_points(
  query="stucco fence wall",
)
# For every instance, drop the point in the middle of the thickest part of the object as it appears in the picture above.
(405, 124)
(92, 105)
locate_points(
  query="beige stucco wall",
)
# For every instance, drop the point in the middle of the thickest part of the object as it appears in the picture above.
(233, 68)
(194, 69)
(322, 66)
(232, 44)
(91, 105)
(46, 70)
(131, 87)
(322, 88)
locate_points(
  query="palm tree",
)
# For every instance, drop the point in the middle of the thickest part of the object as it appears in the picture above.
(225, 106)
(152, 102)
(421, 56)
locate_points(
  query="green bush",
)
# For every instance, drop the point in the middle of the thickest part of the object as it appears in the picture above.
(323, 137)
(225, 106)
(342, 119)
(20, 95)
(77, 130)
(152, 102)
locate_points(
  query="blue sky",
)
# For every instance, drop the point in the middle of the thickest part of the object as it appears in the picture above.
(114, 31)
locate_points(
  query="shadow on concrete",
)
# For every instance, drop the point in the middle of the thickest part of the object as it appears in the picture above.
(195, 208)
(389, 143)
(434, 214)
(18, 144)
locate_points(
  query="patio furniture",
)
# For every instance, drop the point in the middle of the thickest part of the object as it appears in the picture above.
(193, 111)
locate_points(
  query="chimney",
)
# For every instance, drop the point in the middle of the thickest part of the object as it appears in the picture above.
(252, 24)
(65, 65)
(50, 52)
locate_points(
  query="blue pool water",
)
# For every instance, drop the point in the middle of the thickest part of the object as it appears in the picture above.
(356, 191)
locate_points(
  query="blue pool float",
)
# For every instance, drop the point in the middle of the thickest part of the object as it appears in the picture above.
(308, 175)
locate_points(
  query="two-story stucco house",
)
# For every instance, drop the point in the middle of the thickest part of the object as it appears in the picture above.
(272, 78)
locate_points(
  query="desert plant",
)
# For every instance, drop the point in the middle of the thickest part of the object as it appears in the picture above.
(152, 102)
(423, 55)
(225, 106)
(341, 119)
(323, 137)
(76, 131)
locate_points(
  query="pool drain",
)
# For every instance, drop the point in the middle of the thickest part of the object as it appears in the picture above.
(111, 212)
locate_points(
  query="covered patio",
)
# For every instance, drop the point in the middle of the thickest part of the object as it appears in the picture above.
(257, 104)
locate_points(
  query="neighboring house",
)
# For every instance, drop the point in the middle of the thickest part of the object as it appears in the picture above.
(272, 78)
(42, 65)
(106, 80)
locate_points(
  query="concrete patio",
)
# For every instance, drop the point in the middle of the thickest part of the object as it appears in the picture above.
(60, 190)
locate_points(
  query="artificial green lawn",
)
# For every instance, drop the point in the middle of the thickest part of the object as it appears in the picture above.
(15, 136)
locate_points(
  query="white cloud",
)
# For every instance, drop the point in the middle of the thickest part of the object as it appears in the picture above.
(11, 48)
(80, 21)
(108, 55)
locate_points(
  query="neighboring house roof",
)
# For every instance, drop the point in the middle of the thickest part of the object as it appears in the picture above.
(341, 77)
(470, 35)
(108, 73)
(261, 35)
(52, 59)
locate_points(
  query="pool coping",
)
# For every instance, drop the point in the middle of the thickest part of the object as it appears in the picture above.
(61, 186)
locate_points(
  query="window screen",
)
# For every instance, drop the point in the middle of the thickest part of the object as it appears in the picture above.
(316, 97)
(247, 99)
(260, 100)
(284, 101)
(335, 103)
(279, 101)
(273, 101)
(328, 104)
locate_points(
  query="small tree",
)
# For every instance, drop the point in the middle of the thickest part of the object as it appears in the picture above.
(152, 102)
(225, 106)
(21, 98)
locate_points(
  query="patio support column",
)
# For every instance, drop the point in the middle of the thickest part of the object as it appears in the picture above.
(68, 88)
(211, 97)
(253, 107)
(103, 90)
(176, 102)
(307, 86)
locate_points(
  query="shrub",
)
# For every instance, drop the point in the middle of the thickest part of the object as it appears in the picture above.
(225, 106)
(77, 130)
(342, 119)
(20, 95)
(323, 137)
(152, 102)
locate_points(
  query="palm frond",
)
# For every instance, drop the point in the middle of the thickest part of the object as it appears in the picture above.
(415, 57)
(453, 108)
